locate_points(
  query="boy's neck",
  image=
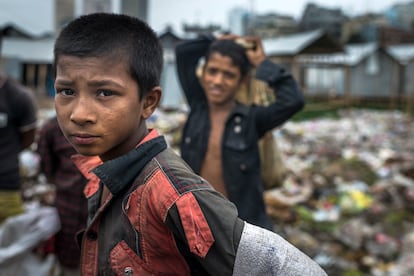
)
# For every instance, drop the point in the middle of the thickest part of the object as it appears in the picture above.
(133, 143)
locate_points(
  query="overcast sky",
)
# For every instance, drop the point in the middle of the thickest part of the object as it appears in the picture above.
(37, 15)
(177, 12)
(33, 16)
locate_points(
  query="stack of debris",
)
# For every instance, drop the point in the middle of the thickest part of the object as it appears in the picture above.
(348, 198)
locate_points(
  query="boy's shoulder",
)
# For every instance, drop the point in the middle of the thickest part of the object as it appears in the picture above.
(167, 168)
(165, 180)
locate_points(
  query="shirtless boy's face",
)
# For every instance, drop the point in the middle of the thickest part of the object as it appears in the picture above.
(221, 79)
(98, 107)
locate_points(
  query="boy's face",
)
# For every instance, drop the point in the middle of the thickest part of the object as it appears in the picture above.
(221, 79)
(98, 107)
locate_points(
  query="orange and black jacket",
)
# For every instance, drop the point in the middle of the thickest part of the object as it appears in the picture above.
(156, 219)
(162, 219)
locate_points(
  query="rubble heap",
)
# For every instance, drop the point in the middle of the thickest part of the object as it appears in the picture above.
(347, 200)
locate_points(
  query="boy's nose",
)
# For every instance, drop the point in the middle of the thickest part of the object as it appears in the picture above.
(217, 78)
(82, 112)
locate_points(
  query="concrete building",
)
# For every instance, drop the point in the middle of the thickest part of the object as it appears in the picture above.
(402, 15)
(362, 28)
(238, 21)
(317, 17)
(272, 25)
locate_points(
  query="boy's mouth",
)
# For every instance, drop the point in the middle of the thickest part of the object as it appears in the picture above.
(83, 138)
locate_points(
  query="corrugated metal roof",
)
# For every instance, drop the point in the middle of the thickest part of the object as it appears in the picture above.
(403, 53)
(29, 51)
(290, 44)
(354, 53)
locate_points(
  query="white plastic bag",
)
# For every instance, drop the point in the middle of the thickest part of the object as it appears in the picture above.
(20, 234)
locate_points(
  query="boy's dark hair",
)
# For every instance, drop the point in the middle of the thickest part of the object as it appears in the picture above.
(234, 51)
(123, 37)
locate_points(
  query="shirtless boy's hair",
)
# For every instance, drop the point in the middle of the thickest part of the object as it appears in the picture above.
(234, 51)
(119, 37)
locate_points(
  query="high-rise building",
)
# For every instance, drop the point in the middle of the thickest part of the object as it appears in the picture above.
(66, 10)
(238, 21)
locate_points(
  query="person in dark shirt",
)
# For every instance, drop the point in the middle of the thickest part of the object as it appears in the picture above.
(18, 124)
(57, 166)
(220, 140)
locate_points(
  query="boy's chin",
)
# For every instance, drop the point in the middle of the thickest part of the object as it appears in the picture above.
(86, 152)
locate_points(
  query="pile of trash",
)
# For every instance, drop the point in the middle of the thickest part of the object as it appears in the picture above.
(348, 197)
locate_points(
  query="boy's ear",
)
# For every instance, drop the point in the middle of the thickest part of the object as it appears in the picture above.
(151, 101)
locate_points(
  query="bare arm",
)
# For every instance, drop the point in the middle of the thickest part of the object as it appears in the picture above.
(27, 138)
(188, 55)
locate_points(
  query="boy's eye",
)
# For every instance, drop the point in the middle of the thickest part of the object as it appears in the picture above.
(229, 75)
(65, 92)
(105, 93)
(211, 71)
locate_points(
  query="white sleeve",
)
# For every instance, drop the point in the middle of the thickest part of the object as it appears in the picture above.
(262, 252)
